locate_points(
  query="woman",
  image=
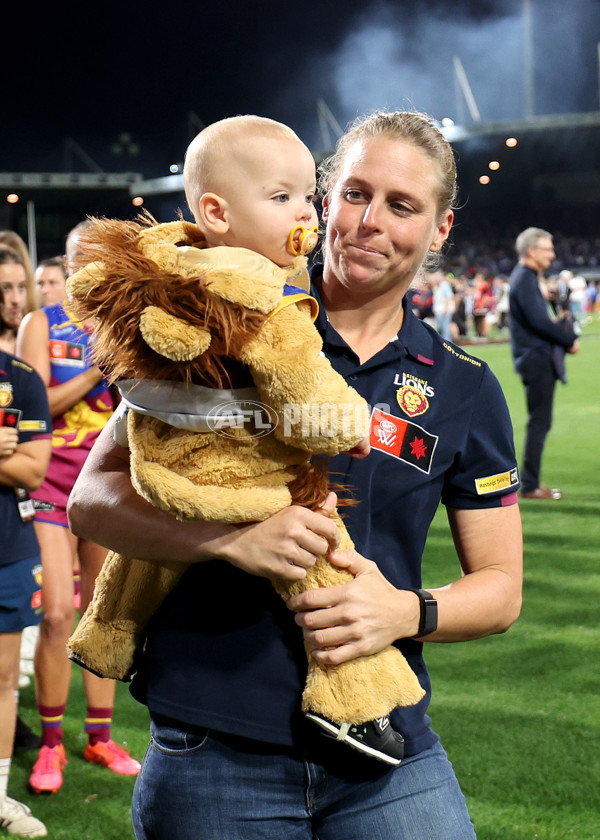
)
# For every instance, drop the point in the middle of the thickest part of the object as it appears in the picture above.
(50, 280)
(24, 456)
(11, 239)
(13, 284)
(80, 404)
(222, 668)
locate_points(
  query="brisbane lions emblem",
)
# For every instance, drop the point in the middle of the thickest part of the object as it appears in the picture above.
(6, 396)
(412, 401)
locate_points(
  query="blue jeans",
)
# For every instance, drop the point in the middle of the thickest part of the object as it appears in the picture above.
(202, 787)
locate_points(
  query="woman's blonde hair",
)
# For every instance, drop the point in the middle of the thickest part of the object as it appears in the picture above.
(11, 239)
(409, 126)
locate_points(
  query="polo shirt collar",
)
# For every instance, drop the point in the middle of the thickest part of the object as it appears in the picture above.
(414, 339)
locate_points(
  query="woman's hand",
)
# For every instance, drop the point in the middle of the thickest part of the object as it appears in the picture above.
(357, 618)
(9, 439)
(283, 546)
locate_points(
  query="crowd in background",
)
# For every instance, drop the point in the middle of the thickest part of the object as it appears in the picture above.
(477, 275)
(496, 252)
(465, 300)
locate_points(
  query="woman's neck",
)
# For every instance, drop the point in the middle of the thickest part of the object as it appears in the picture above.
(8, 341)
(367, 325)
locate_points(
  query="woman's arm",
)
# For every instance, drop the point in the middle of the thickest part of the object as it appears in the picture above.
(487, 598)
(367, 614)
(27, 466)
(33, 347)
(105, 508)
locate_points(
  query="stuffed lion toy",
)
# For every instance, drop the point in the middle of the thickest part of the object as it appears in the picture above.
(183, 330)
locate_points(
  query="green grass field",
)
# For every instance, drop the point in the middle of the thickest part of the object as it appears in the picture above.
(519, 714)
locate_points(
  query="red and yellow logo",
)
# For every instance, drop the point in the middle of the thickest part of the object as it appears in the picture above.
(412, 401)
(6, 397)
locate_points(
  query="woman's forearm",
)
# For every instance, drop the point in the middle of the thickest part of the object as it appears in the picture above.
(64, 396)
(27, 467)
(105, 508)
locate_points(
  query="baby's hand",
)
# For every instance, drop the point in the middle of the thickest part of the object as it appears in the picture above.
(361, 450)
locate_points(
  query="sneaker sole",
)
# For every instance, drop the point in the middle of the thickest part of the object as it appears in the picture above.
(112, 769)
(94, 760)
(332, 731)
(40, 790)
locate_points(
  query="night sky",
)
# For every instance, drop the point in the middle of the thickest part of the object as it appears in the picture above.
(130, 86)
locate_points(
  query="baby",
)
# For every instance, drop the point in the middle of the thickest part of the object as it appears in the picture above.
(250, 183)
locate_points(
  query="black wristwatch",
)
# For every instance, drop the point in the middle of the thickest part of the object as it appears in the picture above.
(429, 613)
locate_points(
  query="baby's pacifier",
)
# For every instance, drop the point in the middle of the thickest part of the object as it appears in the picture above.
(302, 240)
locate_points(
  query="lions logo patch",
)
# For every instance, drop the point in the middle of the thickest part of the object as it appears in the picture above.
(6, 394)
(412, 401)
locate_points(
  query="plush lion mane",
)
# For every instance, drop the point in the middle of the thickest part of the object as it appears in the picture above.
(131, 282)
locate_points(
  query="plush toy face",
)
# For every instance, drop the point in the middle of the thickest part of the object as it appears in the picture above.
(165, 307)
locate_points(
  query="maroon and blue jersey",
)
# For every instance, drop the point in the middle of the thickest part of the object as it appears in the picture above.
(73, 433)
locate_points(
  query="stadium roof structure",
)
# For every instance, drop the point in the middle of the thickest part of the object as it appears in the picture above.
(453, 133)
(550, 177)
(456, 134)
(136, 184)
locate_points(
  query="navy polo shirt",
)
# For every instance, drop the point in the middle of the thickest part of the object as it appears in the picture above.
(224, 652)
(440, 430)
(23, 405)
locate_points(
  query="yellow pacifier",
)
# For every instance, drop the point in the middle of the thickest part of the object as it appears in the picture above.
(302, 240)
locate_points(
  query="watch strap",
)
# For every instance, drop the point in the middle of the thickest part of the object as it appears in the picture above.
(429, 612)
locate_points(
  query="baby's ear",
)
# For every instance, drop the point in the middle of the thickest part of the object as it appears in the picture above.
(213, 213)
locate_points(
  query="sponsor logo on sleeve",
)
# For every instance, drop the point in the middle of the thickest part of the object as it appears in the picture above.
(500, 481)
(33, 426)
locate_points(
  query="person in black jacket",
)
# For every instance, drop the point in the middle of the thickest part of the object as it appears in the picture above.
(539, 341)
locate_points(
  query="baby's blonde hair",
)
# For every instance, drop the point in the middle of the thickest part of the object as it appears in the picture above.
(210, 153)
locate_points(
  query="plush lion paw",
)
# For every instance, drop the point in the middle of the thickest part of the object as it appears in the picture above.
(172, 337)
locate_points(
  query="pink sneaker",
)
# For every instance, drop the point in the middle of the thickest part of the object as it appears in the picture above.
(111, 755)
(46, 776)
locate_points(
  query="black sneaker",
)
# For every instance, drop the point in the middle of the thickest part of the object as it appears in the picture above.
(25, 739)
(375, 738)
